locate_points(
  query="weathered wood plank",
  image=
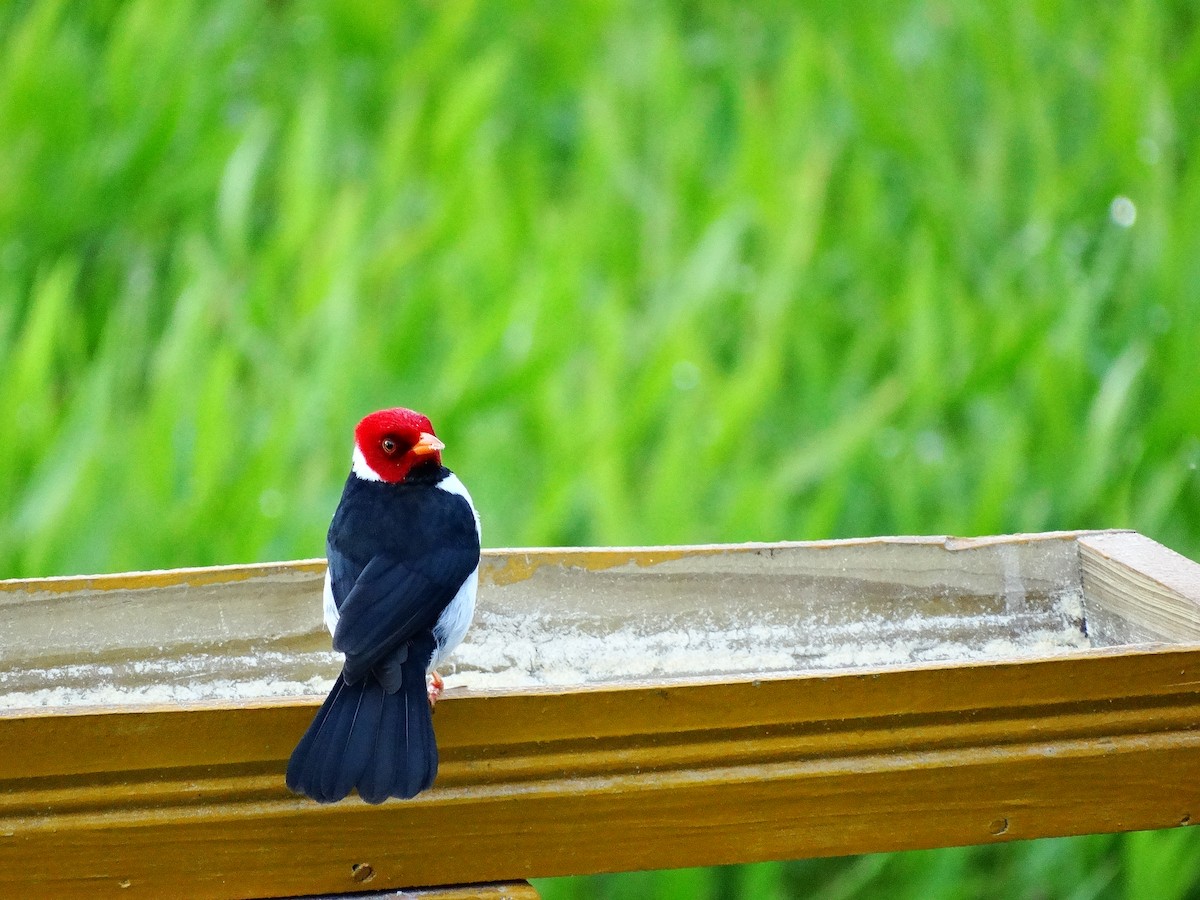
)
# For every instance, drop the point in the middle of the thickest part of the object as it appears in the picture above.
(538, 784)
(1138, 589)
(554, 617)
(640, 771)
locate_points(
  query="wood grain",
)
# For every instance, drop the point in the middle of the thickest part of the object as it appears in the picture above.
(1138, 589)
(191, 801)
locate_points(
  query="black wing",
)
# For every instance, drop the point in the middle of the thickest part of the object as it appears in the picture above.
(394, 601)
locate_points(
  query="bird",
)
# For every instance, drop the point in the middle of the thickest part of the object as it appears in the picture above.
(403, 554)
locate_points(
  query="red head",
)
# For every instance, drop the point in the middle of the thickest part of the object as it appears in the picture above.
(388, 443)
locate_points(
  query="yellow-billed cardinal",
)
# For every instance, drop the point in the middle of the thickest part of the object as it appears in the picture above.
(403, 552)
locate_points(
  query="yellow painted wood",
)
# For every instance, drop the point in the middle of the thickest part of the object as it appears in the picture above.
(175, 800)
(191, 802)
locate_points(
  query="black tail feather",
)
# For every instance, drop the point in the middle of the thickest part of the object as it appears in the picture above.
(421, 764)
(376, 783)
(366, 738)
(329, 750)
(340, 776)
(304, 765)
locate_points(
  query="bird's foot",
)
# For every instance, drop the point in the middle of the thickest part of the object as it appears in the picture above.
(436, 686)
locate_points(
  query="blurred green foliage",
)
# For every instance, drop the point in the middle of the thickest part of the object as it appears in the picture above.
(659, 273)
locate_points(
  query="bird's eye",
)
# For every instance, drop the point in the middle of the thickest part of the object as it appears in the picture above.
(389, 446)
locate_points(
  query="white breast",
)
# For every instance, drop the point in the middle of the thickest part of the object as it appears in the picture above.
(331, 610)
(452, 625)
(454, 621)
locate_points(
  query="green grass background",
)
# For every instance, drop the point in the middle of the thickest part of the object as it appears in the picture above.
(659, 273)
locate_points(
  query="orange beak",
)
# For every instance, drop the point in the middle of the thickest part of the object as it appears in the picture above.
(427, 445)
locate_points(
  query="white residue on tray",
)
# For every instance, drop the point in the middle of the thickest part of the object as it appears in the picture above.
(504, 651)
(183, 679)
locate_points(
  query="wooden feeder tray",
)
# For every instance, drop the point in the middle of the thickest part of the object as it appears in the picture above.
(612, 709)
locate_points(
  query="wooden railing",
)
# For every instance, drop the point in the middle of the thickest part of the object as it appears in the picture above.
(1038, 685)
